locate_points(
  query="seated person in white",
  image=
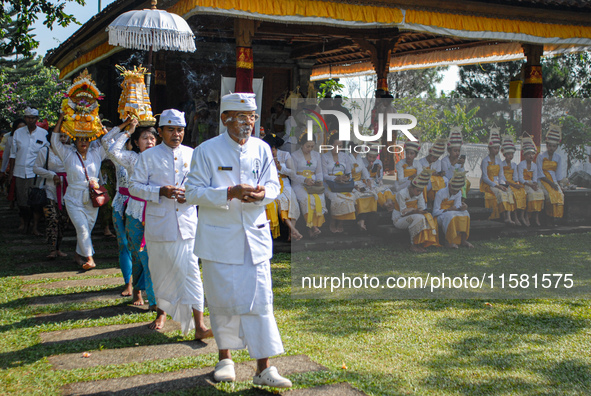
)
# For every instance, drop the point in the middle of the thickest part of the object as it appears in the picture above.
(452, 213)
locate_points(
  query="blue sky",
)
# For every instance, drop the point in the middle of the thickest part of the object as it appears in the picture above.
(49, 39)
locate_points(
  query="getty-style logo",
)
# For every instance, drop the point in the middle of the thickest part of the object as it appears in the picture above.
(386, 122)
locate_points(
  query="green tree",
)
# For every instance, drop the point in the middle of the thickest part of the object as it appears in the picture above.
(490, 80)
(15, 34)
(565, 76)
(415, 83)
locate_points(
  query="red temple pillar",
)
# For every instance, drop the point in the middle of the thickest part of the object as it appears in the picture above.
(531, 93)
(244, 30)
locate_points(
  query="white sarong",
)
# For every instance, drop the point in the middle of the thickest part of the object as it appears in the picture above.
(174, 270)
(240, 302)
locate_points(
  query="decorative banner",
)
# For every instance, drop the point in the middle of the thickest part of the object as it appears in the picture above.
(244, 69)
(81, 109)
(134, 100)
(244, 59)
(533, 75)
(383, 84)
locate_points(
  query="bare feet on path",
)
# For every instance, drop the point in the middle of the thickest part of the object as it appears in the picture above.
(127, 291)
(137, 298)
(158, 324)
(467, 244)
(203, 333)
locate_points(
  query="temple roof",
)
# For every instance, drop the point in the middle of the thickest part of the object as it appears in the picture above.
(334, 34)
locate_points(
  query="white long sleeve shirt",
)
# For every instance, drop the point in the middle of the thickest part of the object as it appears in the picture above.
(500, 179)
(166, 219)
(556, 175)
(226, 227)
(77, 193)
(25, 148)
(126, 159)
(54, 166)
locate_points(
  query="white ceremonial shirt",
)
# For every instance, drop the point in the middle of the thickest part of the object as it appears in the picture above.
(54, 166)
(225, 227)
(500, 179)
(166, 219)
(25, 148)
(523, 167)
(557, 175)
(436, 166)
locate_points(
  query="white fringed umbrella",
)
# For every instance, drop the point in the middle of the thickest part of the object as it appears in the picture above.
(151, 30)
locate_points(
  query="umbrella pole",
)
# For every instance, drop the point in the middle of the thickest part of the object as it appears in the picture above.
(149, 73)
(149, 70)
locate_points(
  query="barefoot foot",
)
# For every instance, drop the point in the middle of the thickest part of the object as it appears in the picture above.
(203, 333)
(467, 244)
(137, 298)
(158, 324)
(127, 290)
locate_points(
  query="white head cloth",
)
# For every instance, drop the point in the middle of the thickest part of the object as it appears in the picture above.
(238, 102)
(172, 117)
(31, 112)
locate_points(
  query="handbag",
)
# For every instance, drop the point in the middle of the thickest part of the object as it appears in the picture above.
(336, 187)
(314, 189)
(98, 196)
(37, 196)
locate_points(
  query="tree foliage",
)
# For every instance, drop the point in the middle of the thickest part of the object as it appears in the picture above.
(415, 83)
(15, 33)
(565, 76)
(24, 81)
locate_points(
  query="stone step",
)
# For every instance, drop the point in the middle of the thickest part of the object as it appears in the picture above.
(492, 228)
(146, 384)
(68, 274)
(88, 282)
(136, 354)
(106, 332)
(97, 313)
(342, 389)
(83, 297)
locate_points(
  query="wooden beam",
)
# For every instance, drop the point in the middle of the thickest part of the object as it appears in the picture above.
(307, 50)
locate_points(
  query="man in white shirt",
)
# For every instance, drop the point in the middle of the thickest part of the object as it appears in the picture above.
(26, 143)
(233, 176)
(170, 225)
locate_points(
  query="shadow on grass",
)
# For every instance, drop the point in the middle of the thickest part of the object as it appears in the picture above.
(510, 352)
(112, 340)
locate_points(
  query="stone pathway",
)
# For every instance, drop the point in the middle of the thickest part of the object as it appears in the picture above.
(124, 343)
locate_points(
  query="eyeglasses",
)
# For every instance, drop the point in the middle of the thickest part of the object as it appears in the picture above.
(247, 117)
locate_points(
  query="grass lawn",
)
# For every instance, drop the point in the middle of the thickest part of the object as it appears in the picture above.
(382, 347)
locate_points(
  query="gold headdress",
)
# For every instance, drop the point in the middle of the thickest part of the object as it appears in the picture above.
(80, 108)
(134, 100)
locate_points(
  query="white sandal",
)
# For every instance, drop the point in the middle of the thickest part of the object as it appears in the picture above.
(224, 371)
(270, 377)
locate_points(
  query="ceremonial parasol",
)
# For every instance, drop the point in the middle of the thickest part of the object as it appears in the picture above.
(151, 30)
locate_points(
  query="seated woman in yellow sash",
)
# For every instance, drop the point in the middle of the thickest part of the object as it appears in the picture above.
(527, 172)
(452, 213)
(510, 172)
(336, 167)
(366, 197)
(455, 161)
(550, 173)
(308, 184)
(410, 213)
(286, 206)
(497, 195)
(375, 168)
(432, 161)
(409, 167)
